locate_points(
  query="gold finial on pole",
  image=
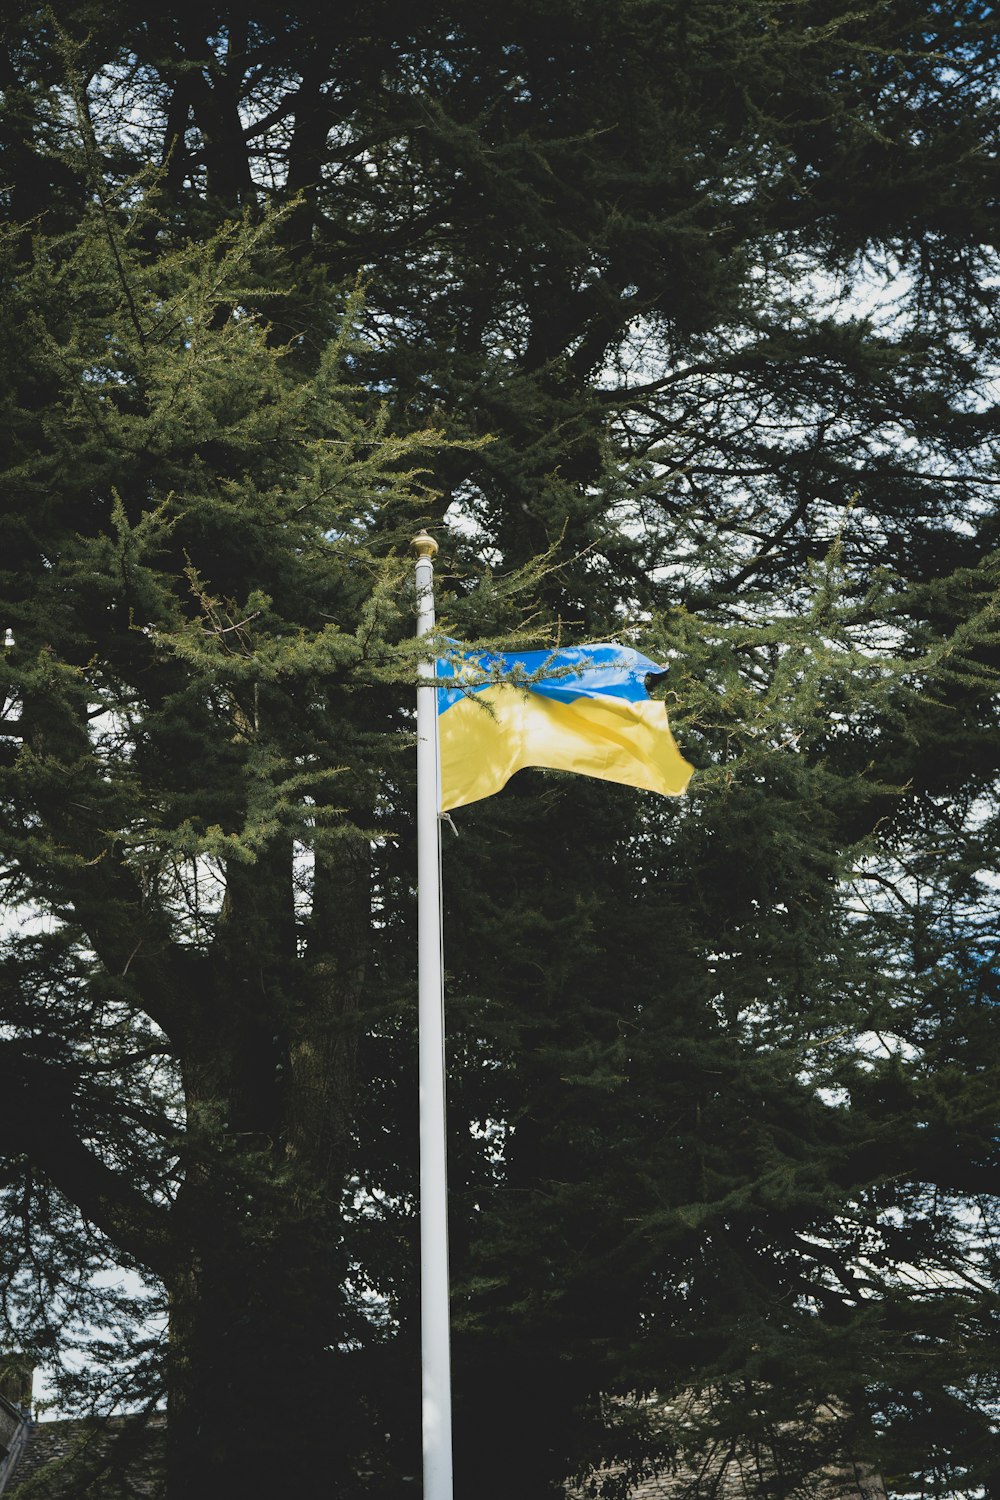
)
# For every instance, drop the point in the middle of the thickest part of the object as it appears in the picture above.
(424, 545)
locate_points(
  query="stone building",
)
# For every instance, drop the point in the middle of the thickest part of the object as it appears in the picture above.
(805, 1460)
(121, 1458)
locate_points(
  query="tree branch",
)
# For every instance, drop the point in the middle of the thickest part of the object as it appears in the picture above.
(37, 1120)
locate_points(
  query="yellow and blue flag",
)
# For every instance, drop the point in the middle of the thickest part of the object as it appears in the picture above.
(584, 709)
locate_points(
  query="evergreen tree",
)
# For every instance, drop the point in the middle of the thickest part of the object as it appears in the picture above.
(200, 574)
(716, 282)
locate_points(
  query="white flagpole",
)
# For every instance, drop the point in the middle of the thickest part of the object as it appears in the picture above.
(434, 1308)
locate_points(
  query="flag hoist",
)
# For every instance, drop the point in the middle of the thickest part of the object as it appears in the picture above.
(435, 1338)
(480, 718)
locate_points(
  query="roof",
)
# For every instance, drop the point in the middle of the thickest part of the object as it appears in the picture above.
(110, 1458)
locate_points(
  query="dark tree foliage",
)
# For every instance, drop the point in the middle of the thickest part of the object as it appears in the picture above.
(677, 322)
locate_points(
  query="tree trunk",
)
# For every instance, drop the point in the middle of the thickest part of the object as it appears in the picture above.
(258, 1308)
(255, 1324)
